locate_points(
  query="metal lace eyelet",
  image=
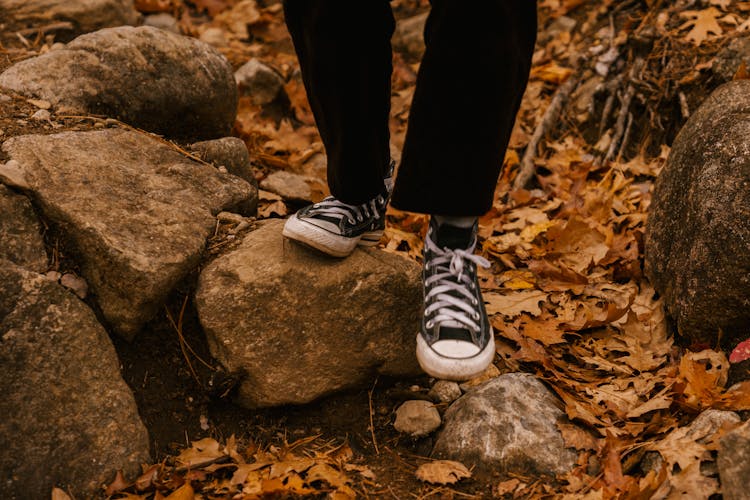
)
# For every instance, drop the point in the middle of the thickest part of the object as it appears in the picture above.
(350, 220)
(474, 301)
(429, 324)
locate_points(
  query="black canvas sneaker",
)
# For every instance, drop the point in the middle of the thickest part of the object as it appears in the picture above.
(336, 228)
(456, 341)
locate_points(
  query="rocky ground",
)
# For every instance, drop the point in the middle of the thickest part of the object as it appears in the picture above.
(154, 321)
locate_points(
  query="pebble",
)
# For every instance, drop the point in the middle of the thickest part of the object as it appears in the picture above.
(230, 217)
(4, 98)
(215, 37)
(41, 115)
(53, 276)
(445, 391)
(417, 418)
(75, 284)
(163, 21)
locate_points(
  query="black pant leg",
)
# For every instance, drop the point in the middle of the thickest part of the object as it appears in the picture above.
(473, 75)
(344, 50)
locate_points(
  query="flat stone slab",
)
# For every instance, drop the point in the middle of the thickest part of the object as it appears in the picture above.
(302, 325)
(136, 211)
(20, 232)
(68, 418)
(156, 80)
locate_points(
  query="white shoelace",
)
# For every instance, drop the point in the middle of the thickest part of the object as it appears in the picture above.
(332, 207)
(458, 309)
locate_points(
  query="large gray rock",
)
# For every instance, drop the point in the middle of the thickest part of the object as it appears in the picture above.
(147, 77)
(303, 325)
(20, 232)
(733, 461)
(698, 234)
(506, 424)
(136, 211)
(84, 15)
(68, 418)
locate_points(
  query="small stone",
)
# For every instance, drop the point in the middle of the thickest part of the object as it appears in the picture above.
(240, 227)
(214, 37)
(288, 185)
(445, 391)
(4, 98)
(41, 115)
(163, 21)
(417, 418)
(53, 276)
(230, 217)
(75, 284)
(228, 152)
(259, 81)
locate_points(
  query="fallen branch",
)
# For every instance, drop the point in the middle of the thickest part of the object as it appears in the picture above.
(549, 119)
(624, 111)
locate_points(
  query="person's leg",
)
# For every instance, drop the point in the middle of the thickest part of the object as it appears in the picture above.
(345, 56)
(344, 51)
(470, 83)
(469, 88)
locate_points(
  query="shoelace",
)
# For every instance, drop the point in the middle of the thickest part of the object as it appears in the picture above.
(461, 306)
(332, 207)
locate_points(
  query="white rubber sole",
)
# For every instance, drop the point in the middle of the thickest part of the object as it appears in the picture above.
(458, 369)
(325, 241)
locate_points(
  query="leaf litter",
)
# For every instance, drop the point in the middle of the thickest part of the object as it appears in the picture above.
(566, 292)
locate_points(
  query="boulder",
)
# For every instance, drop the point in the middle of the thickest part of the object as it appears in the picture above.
(733, 461)
(150, 78)
(507, 424)
(136, 211)
(698, 233)
(302, 325)
(83, 15)
(20, 232)
(69, 420)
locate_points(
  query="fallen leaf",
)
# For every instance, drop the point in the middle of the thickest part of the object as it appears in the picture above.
(117, 484)
(515, 303)
(442, 472)
(184, 492)
(200, 453)
(58, 494)
(701, 22)
(741, 352)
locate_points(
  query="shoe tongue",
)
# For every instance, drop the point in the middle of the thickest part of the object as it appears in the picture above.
(454, 237)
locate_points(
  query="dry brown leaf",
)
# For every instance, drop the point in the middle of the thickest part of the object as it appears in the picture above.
(58, 494)
(514, 303)
(117, 484)
(442, 472)
(184, 492)
(200, 453)
(702, 23)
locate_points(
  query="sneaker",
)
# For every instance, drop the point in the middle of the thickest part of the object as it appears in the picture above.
(456, 341)
(336, 228)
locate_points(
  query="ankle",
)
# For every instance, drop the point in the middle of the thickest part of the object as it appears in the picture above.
(454, 232)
